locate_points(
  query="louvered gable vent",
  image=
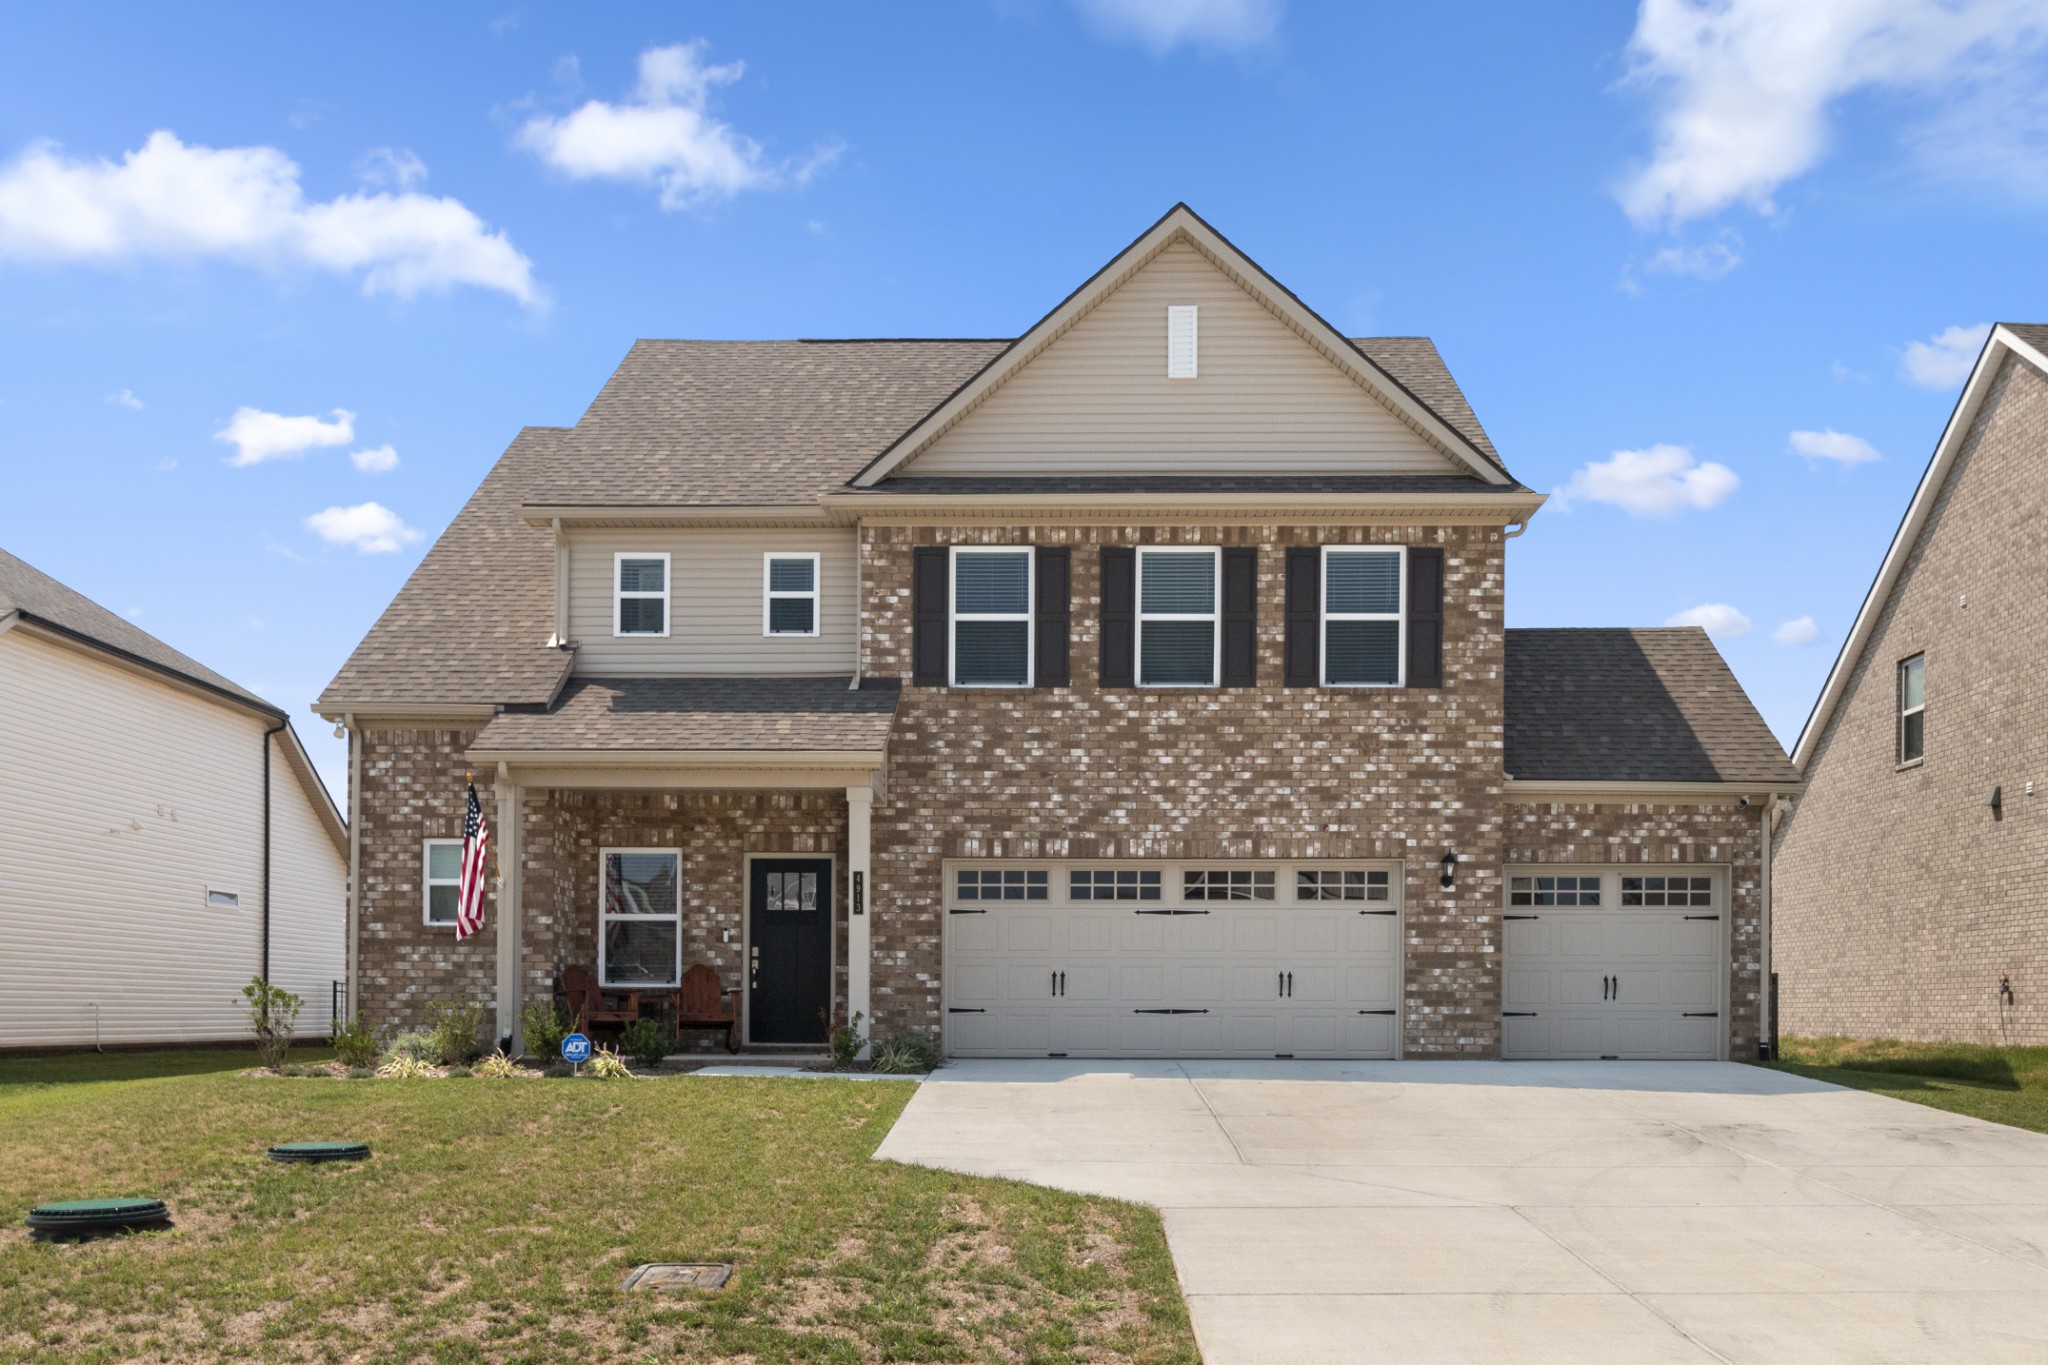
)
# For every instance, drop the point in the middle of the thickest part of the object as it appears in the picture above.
(1180, 341)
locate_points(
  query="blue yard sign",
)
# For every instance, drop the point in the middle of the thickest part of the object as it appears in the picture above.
(576, 1049)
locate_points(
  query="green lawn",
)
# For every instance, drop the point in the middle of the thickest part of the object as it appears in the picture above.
(497, 1218)
(2005, 1085)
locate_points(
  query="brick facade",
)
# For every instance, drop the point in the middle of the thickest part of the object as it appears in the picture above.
(1900, 898)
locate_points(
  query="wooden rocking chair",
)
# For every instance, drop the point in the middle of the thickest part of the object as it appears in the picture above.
(591, 1005)
(704, 1002)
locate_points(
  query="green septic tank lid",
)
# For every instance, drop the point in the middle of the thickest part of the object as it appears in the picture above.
(320, 1151)
(97, 1215)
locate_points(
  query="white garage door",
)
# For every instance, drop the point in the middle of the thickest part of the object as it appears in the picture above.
(1605, 963)
(1161, 959)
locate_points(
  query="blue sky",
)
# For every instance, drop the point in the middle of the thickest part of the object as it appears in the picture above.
(278, 284)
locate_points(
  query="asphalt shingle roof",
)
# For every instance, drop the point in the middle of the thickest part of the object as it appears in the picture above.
(470, 627)
(662, 715)
(1627, 705)
(41, 598)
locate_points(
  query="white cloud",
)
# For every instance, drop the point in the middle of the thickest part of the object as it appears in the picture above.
(1800, 630)
(1744, 86)
(375, 460)
(257, 435)
(1945, 359)
(1715, 618)
(398, 166)
(372, 528)
(168, 464)
(171, 201)
(125, 398)
(665, 135)
(1706, 261)
(1162, 25)
(1838, 446)
(1650, 483)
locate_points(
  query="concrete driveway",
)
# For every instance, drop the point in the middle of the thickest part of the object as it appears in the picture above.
(1515, 1213)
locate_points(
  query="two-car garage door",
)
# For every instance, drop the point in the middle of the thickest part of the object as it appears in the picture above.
(1167, 959)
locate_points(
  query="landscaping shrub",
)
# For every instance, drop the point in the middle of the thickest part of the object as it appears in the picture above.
(458, 1073)
(544, 1024)
(906, 1054)
(355, 1043)
(647, 1042)
(846, 1043)
(559, 1071)
(361, 1073)
(457, 1026)
(272, 1013)
(417, 1044)
(404, 1068)
(606, 1065)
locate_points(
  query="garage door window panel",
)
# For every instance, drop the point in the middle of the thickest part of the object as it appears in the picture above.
(1650, 892)
(1001, 884)
(1227, 884)
(1178, 612)
(1557, 891)
(1363, 639)
(991, 634)
(1113, 884)
(1342, 884)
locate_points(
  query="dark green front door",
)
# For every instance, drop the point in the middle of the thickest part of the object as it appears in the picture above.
(789, 952)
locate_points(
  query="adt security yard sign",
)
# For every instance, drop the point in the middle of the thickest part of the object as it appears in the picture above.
(576, 1049)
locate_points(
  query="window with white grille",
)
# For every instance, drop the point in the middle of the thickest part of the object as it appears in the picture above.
(1226, 884)
(1342, 884)
(1563, 891)
(1113, 884)
(1001, 884)
(1649, 891)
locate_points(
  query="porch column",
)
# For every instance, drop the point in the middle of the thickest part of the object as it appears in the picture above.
(860, 805)
(511, 801)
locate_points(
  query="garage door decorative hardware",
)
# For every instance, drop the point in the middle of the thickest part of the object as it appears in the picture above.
(1286, 983)
(962, 1009)
(1703, 917)
(1377, 1011)
(967, 912)
(1701, 1014)
(1379, 912)
(1059, 983)
(1610, 989)
(1169, 1011)
(1521, 917)
(1518, 1014)
(1169, 912)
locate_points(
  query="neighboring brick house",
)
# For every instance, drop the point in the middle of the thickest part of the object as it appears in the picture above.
(1911, 897)
(1138, 686)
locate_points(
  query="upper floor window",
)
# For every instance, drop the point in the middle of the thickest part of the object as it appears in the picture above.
(640, 594)
(1362, 634)
(443, 881)
(992, 595)
(1913, 709)
(1178, 606)
(790, 601)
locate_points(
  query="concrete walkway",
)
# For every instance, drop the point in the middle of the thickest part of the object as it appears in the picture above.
(1517, 1213)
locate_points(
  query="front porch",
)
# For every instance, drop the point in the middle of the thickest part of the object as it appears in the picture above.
(671, 823)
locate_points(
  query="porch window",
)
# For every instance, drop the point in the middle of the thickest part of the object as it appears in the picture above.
(992, 590)
(790, 604)
(1362, 617)
(442, 881)
(640, 594)
(640, 940)
(1178, 642)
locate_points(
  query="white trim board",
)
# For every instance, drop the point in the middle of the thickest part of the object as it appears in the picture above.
(1997, 346)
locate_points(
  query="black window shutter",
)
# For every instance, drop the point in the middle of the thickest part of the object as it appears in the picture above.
(1425, 618)
(1054, 617)
(1304, 616)
(1241, 617)
(929, 619)
(1119, 617)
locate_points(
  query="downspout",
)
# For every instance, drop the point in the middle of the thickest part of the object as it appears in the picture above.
(352, 956)
(268, 735)
(1774, 808)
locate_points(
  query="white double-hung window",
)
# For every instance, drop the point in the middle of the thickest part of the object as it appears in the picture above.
(1179, 644)
(640, 594)
(641, 940)
(992, 599)
(789, 590)
(1364, 644)
(442, 879)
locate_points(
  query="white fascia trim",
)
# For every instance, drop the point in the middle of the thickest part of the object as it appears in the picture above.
(1492, 507)
(2001, 342)
(1179, 223)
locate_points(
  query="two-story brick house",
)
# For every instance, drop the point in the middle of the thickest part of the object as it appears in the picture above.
(1136, 686)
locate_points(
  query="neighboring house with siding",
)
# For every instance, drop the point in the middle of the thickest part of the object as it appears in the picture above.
(1134, 687)
(133, 866)
(1909, 877)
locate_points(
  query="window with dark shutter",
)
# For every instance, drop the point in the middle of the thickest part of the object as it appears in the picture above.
(1426, 618)
(1304, 616)
(1055, 616)
(1119, 616)
(930, 644)
(1241, 617)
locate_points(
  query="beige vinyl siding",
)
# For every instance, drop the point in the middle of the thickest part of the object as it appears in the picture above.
(715, 603)
(122, 800)
(1097, 400)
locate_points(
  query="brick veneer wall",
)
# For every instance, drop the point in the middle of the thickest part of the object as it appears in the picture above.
(412, 792)
(1268, 771)
(1899, 900)
(1662, 835)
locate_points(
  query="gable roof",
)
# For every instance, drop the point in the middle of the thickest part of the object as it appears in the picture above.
(2027, 341)
(1183, 224)
(470, 627)
(37, 597)
(1632, 705)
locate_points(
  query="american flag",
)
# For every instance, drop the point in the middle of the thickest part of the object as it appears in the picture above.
(476, 844)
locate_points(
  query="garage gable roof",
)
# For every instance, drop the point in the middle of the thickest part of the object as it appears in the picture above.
(1182, 224)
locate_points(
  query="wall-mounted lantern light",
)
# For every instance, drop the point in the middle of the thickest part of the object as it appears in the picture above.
(1449, 865)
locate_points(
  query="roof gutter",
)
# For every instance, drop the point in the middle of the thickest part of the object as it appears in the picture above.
(1626, 793)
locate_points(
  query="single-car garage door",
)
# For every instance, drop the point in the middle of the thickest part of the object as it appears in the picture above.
(1165, 959)
(1614, 963)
